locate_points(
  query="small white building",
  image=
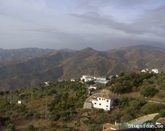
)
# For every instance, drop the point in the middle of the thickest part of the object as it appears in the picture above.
(102, 100)
(19, 102)
(145, 70)
(101, 80)
(72, 80)
(86, 78)
(46, 83)
(102, 103)
(156, 71)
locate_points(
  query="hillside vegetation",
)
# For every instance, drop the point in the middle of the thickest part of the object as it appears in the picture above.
(59, 106)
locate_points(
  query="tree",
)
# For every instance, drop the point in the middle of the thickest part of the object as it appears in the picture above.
(149, 91)
(162, 113)
(150, 108)
(10, 127)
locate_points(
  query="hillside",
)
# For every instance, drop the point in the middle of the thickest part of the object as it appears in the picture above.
(20, 55)
(59, 106)
(72, 64)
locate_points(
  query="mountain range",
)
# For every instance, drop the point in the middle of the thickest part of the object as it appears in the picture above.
(28, 67)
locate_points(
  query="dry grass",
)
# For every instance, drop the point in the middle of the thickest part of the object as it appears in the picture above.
(132, 94)
(38, 123)
(39, 105)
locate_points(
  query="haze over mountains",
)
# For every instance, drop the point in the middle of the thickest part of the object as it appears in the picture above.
(19, 55)
(28, 67)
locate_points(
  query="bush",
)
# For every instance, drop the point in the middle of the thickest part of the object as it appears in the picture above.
(10, 127)
(162, 113)
(95, 127)
(123, 102)
(127, 117)
(30, 128)
(54, 116)
(149, 91)
(150, 108)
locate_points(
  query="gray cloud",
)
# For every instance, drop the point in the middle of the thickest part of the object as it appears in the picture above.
(100, 24)
(149, 23)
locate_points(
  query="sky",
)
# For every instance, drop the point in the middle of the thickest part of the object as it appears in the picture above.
(77, 24)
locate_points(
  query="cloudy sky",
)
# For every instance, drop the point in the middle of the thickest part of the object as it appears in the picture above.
(76, 24)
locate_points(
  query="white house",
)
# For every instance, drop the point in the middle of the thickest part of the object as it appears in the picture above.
(19, 102)
(145, 70)
(102, 103)
(86, 78)
(102, 100)
(156, 71)
(46, 83)
(72, 80)
(100, 80)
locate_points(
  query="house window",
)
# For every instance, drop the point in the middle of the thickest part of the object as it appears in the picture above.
(107, 100)
(106, 105)
(95, 103)
(99, 98)
(100, 104)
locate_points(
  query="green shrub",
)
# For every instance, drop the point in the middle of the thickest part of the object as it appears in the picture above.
(162, 113)
(30, 128)
(150, 108)
(10, 127)
(149, 91)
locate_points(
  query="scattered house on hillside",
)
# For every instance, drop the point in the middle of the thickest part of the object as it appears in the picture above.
(46, 83)
(101, 80)
(19, 102)
(86, 78)
(145, 70)
(155, 71)
(160, 121)
(98, 80)
(72, 80)
(102, 100)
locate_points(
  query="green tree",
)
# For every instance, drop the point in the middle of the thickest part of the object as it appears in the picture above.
(150, 108)
(162, 113)
(10, 127)
(149, 91)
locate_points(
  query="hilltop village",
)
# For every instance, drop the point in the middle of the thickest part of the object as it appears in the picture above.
(88, 103)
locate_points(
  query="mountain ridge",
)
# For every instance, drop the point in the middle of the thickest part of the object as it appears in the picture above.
(63, 64)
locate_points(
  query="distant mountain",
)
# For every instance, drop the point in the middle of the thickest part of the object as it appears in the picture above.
(66, 64)
(20, 55)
